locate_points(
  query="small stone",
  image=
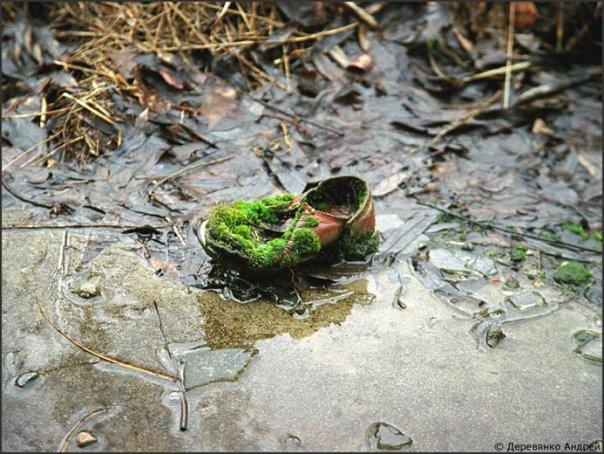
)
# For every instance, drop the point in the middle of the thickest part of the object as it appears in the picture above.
(585, 335)
(85, 438)
(526, 300)
(594, 294)
(88, 289)
(590, 346)
(23, 379)
(385, 436)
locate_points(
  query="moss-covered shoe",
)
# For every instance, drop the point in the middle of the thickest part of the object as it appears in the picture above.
(332, 218)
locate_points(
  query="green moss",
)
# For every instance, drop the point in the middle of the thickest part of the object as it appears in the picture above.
(357, 247)
(306, 242)
(518, 254)
(550, 236)
(585, 335)
(267, 254)
(444, 218)
(597, 236)
(321, 206)
(236, 227)
(572, 273)
(577, 229)
(311, 222)
(243, 230)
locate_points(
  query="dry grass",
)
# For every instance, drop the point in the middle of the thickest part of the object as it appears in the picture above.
(83, 124)
(256, 38)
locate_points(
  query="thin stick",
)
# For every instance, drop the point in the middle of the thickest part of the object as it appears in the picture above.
(466, 118)
(294, 117)
(80, 226)
(101, 356)
(184, 412)
(505, 230)
(362, 14)
(90, 109)
(28, 150)
(51, 152)
(76, 426)
(560, 27)
(61, 264)
(520, 66)
(223, 11)
(508, 71)
(176, 231)
(195, 165)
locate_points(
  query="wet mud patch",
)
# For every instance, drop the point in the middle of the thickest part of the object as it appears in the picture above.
(229, 324)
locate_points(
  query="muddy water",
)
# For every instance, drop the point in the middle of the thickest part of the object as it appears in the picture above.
(359, 373)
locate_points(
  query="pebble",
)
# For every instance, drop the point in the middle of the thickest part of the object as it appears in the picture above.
(85, 438)
(23, 379)
(88, 289)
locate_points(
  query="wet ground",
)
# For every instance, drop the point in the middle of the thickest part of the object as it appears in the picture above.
(256, 378)
(458, 334)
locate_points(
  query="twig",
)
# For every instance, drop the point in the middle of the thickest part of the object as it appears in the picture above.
(99, 114)
(28, 150)
(76, 426)
(508, 65)
(506, 230)
(184, 412)
(201, 163)
(176, 231)
(101, 356)
(362, 14)
(560, 27)
(465, 118)
(23, 198)
(81, 226)
(520, 66)
(51, 152)
(61, 264)
(223, 11)
(295, 117)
